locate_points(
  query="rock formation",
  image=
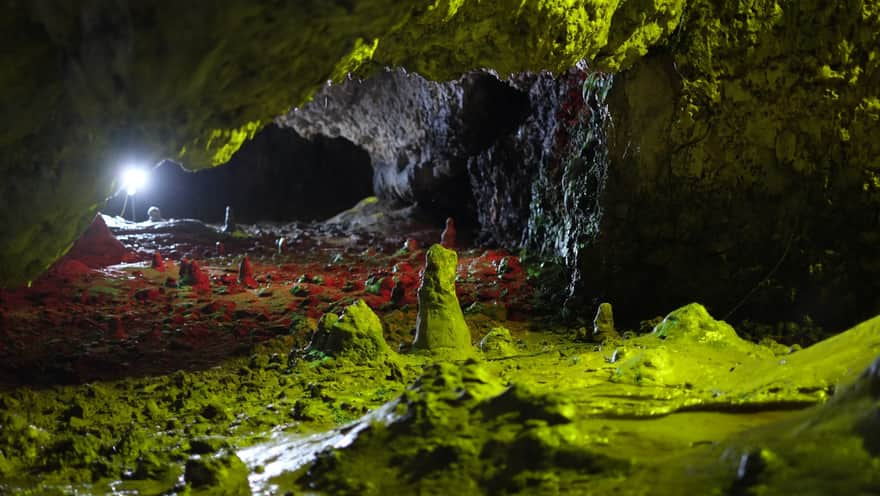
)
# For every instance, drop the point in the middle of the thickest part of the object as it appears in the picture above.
(603, 322)
(447, 237)
(191, 274)
(440, 325)
(356, 334)
(157, 262)
(98, 247)
(246, 273)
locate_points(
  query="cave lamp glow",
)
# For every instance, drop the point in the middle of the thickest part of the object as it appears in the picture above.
(133, 179)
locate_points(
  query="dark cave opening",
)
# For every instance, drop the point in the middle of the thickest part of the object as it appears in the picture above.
(491, 108)
(278, 176)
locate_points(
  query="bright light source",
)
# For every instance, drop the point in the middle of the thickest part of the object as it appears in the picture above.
(133, 179)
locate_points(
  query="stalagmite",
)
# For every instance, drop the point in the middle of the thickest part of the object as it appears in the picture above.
(440, 325)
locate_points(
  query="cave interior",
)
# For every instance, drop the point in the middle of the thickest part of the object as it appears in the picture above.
(438, 247)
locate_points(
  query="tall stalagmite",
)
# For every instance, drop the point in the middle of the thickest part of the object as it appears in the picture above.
(440, 325)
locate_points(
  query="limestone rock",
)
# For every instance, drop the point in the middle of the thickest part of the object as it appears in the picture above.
(357, 334)
(440, 325)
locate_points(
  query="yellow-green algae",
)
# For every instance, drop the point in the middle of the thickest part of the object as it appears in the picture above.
(553, 423)
(735, 175)
(145, 431)
(356, 334)
(556, 416)
(440, 326)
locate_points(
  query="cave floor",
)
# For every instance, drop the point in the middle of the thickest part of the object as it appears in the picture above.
(117, 380)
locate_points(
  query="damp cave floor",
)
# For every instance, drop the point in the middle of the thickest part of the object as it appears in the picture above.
(114, 378)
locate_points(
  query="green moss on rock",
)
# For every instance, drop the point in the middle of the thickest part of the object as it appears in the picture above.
(440, 325)
(498, 343)
(223, 474)
(356, 334)
(457, 429)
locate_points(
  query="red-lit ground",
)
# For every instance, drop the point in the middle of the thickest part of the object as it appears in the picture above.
(91, 317)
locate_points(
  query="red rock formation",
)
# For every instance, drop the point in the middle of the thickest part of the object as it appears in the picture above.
(192, 275)
(158, 263)
(97, 247)
(246, 273)
(447, 238)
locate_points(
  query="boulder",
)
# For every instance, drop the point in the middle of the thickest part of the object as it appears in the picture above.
(356, 334)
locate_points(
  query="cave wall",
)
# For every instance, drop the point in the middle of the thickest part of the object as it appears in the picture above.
(419, 133)
(89, 85)
(735, 165)
(744, 169)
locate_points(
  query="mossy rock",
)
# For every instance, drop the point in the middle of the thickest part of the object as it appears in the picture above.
(440, 325)
(498, 343)
(356, 334)
(693, 323)
(223, 474)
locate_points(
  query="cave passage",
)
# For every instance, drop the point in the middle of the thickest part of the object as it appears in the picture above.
(489, 248)
(278, 176)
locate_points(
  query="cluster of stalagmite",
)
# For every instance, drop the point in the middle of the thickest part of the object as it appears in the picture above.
(441, 329)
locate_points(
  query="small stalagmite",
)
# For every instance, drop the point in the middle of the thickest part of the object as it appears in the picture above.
(440, 325)
(192, 275)
(603, 323)
(158, 263)
(447, 237)
(229, 221)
